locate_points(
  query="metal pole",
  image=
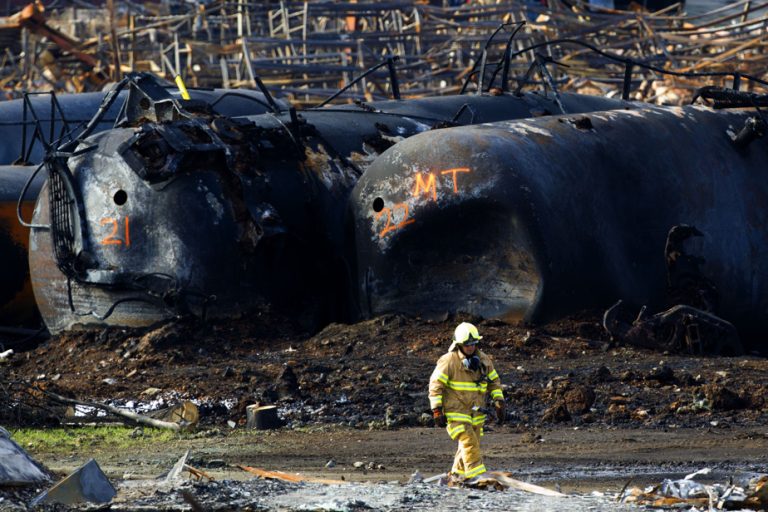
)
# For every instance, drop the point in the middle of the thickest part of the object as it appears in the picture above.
(627, 80)
(176, 56)
(116, 72)
(224, 72)
(247, 61)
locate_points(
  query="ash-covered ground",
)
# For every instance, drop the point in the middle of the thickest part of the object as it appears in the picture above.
(375, 373)
(583, 412)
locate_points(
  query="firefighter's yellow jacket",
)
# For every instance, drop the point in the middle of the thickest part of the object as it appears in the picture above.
(460, 391)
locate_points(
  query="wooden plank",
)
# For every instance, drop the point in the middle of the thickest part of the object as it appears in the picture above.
(289, 477)
(506, 480)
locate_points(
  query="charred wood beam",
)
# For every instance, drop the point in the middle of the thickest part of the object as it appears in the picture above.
(126, 415)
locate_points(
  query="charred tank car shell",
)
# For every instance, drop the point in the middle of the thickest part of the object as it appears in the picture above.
(25, 125)
(211, 214)
(16, 299)
(538, 218)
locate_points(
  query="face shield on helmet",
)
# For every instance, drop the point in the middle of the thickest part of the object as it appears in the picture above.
(465, 334)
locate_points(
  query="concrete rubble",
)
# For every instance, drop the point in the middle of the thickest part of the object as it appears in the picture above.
(278, 494)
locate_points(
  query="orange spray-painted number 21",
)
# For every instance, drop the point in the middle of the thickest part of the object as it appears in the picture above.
(113, 237)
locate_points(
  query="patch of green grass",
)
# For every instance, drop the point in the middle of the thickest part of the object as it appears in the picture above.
(67, 439)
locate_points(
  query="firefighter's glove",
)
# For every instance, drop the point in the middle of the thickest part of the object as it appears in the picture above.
(501, 411)
(440, 419)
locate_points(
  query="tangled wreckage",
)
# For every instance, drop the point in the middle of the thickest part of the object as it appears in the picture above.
(521, 206)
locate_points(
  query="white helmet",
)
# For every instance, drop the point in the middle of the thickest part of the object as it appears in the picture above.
(465, 333)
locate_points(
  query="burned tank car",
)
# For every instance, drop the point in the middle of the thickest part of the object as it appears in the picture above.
(211, 215)
(534, 219)
(51, 117)
(17, 304)
(55, 115)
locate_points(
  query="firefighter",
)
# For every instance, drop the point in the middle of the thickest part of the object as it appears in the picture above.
(458, 392)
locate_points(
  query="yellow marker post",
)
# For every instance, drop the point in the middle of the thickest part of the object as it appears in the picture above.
(182, 87)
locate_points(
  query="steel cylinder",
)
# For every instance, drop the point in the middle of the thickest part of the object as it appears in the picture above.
(534, 219)
(17, 304)
(25, 125)
(223, 215)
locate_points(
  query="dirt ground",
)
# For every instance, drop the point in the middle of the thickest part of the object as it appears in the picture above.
(584, 414)
(580, 460)
(593, 463)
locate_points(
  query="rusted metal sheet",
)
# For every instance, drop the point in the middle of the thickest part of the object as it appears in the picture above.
(288, 477)
(209, 215)
(538, 218)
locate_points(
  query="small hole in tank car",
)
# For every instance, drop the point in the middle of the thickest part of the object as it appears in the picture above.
(378, 204)
(120, 197)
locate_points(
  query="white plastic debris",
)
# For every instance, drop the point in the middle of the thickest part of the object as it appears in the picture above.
(416, 478)
(175, 473)
(704, 471)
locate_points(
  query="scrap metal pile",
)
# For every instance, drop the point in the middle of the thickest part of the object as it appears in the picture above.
(745, 492)
(309, 49)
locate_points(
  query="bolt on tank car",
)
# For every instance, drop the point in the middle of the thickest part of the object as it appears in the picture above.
(174, 212)
(533, 219)
(28, 127)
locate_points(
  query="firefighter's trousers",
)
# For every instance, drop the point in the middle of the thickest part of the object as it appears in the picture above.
(468, 462)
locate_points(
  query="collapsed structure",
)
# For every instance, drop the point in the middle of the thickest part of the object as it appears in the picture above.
(308, 49)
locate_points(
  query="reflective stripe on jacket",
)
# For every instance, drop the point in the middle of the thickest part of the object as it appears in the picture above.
(462, 392)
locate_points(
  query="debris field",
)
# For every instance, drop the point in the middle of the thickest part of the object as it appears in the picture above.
(374, 374)
(588, 414)
(567, 385)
